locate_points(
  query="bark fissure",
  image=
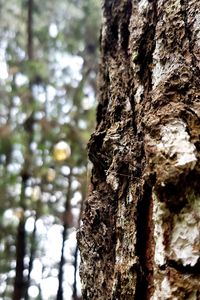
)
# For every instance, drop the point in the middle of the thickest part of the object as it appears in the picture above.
(144, 224)
(124, 27)
(188, 34)
(145, 246)
(188, 269)
(146, 49)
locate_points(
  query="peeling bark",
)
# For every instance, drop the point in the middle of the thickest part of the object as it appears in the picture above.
(140, 237)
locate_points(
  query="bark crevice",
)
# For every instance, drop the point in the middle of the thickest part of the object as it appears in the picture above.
(188, 269)
(188, 33)
(144, 245)
(147, 44)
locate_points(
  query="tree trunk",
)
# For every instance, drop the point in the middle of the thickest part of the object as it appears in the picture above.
(67, 223)
(21, 283)
(33, 246)
(140, 237)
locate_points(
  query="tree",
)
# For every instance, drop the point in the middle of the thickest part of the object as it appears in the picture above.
(48, 62)
(20, 284)
(140, 237)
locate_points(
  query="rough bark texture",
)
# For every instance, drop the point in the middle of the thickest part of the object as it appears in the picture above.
(140, 237)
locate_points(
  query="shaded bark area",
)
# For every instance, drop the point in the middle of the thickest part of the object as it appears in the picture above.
(141, 222)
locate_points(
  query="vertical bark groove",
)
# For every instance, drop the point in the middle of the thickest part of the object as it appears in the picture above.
(145, 246)
(188, 34)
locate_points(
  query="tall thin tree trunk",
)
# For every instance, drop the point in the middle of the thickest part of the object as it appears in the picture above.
(30, 30)
(31, 259)
(20, 283)
(67, 221)
(140, 237)
(75, 264)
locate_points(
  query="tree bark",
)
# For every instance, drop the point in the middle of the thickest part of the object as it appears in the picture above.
(140, 237)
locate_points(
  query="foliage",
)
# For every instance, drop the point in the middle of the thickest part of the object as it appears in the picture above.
(45, 99)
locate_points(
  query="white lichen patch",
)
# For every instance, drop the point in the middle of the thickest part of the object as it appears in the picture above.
(112, 133)
(159, 70)
(174, 8)
(142, 5)
(128, 105)
(130, 196)
(164, 72)
(113, 181)
(159, 211)
(185, 238)
(157, 73)
(138, 94)
(104, 27)
(175, 141)
(162, 290)
(196, 26)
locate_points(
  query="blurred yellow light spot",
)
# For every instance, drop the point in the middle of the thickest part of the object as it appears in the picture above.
(51, 175)
(36, 193)
(18, 213)
(61, 151)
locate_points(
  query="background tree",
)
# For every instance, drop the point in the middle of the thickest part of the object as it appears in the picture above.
(48, 63)
(141, 223)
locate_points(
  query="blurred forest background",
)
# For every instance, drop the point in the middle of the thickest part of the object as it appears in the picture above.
(48, 66)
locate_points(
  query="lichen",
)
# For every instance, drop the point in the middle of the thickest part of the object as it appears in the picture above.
(175, 141)
(163, 291)
(138, 94)
(157, 73)
(143, 4)
(185, 236)
(112, 181)
(159, 211)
